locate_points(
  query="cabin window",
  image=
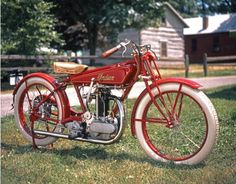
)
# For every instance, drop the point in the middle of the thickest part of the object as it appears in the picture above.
(163, 49)
(194, 45)
(216, 44)
(163, 21)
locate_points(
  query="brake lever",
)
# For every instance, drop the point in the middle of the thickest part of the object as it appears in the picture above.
(124, 44)
(123, 53)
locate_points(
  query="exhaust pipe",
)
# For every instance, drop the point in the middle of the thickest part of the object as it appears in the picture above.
(66, 136)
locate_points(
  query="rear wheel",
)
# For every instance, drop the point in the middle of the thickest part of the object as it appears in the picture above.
(37, 105)
(182, 130)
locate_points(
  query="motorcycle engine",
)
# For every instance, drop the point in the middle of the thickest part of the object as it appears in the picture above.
(100, 125)
(103, 128)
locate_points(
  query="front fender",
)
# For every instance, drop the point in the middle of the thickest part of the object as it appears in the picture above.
(61, 93)
(183, 81)
(187, 82)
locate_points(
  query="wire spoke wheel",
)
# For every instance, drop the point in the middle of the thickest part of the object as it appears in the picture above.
(185, 132)
(179, 126)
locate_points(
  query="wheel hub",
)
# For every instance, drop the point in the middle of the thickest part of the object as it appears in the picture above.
(44, 110)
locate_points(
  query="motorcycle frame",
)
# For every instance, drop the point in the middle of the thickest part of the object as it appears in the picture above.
(141, 62)
(146, 69)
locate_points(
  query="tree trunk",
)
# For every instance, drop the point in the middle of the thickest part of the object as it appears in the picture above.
(93, 32)
(203, 8)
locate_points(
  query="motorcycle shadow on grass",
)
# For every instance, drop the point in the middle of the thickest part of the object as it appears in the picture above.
(98, 153)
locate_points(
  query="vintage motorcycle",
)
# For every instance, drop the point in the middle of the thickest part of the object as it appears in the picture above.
(172, 119)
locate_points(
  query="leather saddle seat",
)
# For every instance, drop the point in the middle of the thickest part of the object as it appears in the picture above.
(68, 68)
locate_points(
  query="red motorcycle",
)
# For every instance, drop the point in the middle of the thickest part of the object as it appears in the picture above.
(172, 119)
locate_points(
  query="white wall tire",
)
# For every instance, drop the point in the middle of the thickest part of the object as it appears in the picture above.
(18, 105)
(210, 116)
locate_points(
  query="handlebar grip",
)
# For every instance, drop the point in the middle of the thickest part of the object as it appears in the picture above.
(110, 51)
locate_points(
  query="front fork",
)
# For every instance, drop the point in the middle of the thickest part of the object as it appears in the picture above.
(168, 114)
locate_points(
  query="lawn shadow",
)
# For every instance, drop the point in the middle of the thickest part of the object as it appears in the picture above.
(226, 93)
(97, 153)
(16, 148)
(101, 154)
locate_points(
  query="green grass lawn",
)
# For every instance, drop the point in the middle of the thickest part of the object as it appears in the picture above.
(197, 71)
(124, 162)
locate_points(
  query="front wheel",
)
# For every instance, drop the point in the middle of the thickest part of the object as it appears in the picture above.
(180, 125)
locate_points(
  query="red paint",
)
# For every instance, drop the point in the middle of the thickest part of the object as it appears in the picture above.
(117, 74)
(183, 81)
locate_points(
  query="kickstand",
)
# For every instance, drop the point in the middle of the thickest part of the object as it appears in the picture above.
(49, 146)
(33, 135)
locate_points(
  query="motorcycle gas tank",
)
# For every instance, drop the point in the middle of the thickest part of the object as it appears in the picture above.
(116, 74)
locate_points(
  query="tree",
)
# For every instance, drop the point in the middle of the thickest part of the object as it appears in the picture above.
(191, 8)
(85, 22)
(222, 6)
(187, 8)
(27, 25)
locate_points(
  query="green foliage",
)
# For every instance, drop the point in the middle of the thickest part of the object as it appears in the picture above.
(27, 25)
(220, 6)
(187, 8)
(193, 8)
(125, 162)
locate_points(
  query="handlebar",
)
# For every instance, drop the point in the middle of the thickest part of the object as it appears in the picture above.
(136, 48)
(111, 51)
(115, 49)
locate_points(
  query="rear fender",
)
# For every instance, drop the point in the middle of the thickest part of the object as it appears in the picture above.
(61, 93)
(186, 82)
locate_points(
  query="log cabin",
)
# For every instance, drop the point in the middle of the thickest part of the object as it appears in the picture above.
(167, 40)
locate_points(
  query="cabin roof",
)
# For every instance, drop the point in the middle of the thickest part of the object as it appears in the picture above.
(167, 5)
(216, 24)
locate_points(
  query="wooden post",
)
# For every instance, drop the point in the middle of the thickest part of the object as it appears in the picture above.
(186, 65)
(205, 64)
